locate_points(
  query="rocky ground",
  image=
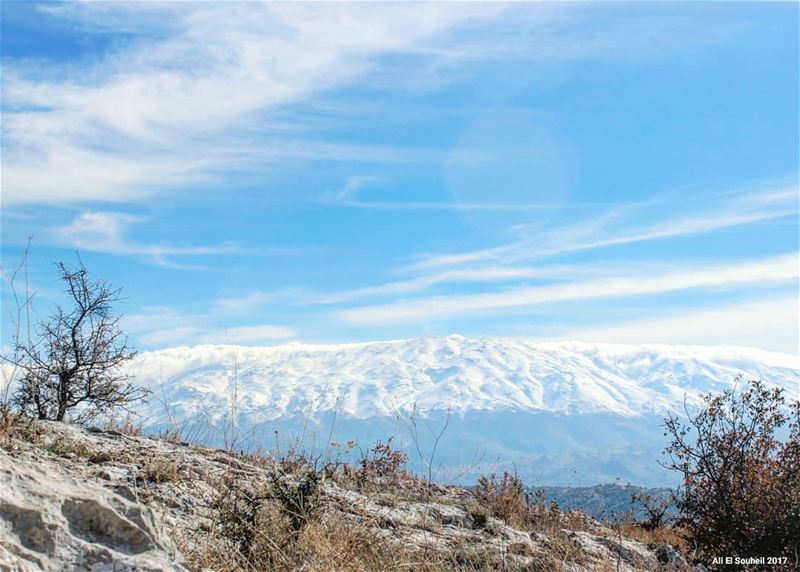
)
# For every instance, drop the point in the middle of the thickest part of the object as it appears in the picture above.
(87, 499)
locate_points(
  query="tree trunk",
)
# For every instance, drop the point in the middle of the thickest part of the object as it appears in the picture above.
(63, 387)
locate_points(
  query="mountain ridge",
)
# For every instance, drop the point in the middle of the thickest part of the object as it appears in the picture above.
(560, 413)
(468, 373)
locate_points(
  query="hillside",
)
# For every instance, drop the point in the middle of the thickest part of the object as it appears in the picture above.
(560, 413)
(76, 499)
(613, 502)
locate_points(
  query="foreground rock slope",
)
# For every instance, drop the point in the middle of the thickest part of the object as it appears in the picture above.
(78, 499)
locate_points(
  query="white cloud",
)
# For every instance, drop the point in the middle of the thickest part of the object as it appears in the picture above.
(348, 192)
(254, 300)
(477, 275)
(348, 196)
(768, 324)
(244, 335)
(768, 271)
(199, 87)
(156, 115)
(156, 327)
(610, 228)
(249, 334)
(105, 232)
(178, 335)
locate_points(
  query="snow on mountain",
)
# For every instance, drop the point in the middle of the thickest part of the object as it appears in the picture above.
(550, 407)
(456, 373)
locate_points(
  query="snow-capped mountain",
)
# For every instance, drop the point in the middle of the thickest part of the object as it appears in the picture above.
(592, 411)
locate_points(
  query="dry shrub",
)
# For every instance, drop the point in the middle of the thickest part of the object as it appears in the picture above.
(63, 446)
(7, 422)
(280, 524)
(378, 467)
(741, 483)
(383, 461)
(508, 499)
(654, 508)
(505, 497)
(125, 426)
(298, 496)
(260, 524)
(656, 537)
(480, 515)
(171, 434)
(237, 518)
(161, 470)
(548, 518)
(15, 428)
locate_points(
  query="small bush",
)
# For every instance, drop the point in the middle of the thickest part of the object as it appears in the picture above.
(236, 513)
(378, 466)
(505, 497)
(741, 483)
(126, 426)
(63, 446)
(298, 496)
(654, 509)
(383, 461)
(171, 435)
(14, 427)
(161, 470)
(480, 516)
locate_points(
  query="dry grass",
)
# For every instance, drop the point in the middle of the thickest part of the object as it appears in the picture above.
(257, 535)
(62, 446)
(270, 514)
(563, 550)
(14, 429)
(332, 543)
(658, 537)
(161, 470)
(508, 499)
(282, 523)
(128, 425)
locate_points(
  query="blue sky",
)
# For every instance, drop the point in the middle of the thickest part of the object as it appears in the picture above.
(259, 174)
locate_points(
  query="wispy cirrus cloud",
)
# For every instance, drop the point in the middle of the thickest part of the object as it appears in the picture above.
(162, 326)
(778, 269)
(490, 274)
(175, 107)
(198, 90)
(614, 227)
(249, 334)
(766, 323)
(606, 229)
(349, 196)
(257, 299)
(95, 231)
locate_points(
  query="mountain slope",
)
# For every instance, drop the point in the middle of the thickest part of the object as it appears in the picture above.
(383, 378)
(513, 399)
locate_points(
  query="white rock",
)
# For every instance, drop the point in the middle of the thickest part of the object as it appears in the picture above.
(49, 520)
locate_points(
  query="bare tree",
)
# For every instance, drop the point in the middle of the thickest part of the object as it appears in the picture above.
(74, 362)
